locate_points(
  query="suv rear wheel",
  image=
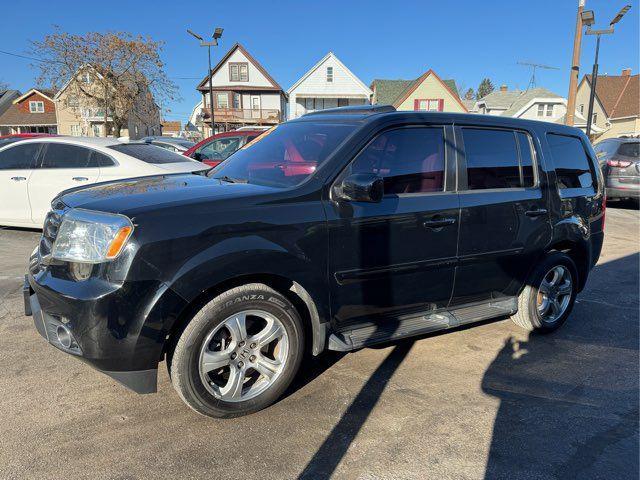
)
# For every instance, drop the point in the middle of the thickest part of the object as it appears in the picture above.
(546, 301)
(239, 352)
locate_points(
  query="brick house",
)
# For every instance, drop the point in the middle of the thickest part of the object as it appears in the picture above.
(33, 112)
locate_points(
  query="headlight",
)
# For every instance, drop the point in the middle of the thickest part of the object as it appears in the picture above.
(91, 237)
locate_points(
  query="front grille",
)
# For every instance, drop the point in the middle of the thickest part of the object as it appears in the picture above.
(50, 230)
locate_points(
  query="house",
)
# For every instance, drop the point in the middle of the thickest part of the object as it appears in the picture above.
(171, 128)
(80, 107)
(534, 104)
(33, 112)
(427, 92)
(328, 84)
(243, 94)
(616, 106)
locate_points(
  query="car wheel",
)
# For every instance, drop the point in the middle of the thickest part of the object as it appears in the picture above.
(547, 300)
(239, 352)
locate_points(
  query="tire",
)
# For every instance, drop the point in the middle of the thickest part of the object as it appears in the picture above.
(213, 337)
(532, 296)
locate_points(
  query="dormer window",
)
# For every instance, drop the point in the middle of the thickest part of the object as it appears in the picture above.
(329, 74)
(239, 72)
(36, 107)
(85, 77)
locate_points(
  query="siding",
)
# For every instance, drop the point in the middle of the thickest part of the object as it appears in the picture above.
(222, 77)
(432, 88)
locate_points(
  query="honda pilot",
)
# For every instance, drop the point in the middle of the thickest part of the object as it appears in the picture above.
(342, 229)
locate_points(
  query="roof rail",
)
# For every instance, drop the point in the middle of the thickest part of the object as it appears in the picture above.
(354, 110)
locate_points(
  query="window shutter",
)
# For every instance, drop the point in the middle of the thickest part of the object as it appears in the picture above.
(441, 105)
(416, 104)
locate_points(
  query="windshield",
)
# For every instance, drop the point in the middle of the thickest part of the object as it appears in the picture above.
(285, 156)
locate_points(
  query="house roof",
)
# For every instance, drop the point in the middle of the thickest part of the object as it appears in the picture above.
(15, 117)
(204, 86)
(366, 90)
(6, 98)
(527, 96)
(500, 100)
(394, 92)
(49, 93)
(619, 95)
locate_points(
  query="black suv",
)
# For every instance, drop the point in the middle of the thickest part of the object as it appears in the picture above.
(339, 230)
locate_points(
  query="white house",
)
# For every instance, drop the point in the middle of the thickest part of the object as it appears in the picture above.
(328, 84)
(243, 94)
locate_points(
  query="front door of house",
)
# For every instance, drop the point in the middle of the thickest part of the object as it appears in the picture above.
(255, 106)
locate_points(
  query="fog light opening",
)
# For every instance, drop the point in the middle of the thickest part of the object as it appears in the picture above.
(64, 336)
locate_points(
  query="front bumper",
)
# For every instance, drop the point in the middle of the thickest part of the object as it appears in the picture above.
(118, 331)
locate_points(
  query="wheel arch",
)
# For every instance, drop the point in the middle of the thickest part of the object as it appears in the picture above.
(578, 251)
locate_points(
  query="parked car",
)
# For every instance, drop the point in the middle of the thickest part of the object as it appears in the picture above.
(217, 148)
(620, 162)
(173, 144)
(33, 171)
(408, 223)
(14, 137)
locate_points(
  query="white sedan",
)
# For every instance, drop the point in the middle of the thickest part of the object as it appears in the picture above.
(34, 171)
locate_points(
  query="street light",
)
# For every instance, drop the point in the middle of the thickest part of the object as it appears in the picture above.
(594, 73)
(217, 34)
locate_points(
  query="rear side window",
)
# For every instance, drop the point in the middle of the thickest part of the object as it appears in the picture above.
(630, 149)
(571, 161)
(493, 161)
(19, 157)
(410, 160)
(60, 155)
(527, 178)
(149, 153)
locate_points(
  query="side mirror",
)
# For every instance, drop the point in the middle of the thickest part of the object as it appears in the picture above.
(197, 156)
(361, 187)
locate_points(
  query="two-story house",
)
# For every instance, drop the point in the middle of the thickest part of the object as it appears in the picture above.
(33, 112)
(328, 84)
(243, 94)
(427, 92)
(80, 107)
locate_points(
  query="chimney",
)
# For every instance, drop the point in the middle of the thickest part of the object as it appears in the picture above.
(626, 72)
(503, 88)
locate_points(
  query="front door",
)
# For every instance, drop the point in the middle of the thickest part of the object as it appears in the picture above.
(255, 106)
(396, 256)
(16, 167)
(62, 166)
(504, 225)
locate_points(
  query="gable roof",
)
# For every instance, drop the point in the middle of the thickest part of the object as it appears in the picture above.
(394, 92)
(619, 95)
(527, 97)
(331, 55)
(48, 93)
(204, 84)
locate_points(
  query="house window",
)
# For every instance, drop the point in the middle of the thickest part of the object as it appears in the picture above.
(550, 110)
(595, 118)
(222, 99)
(96, 130)
(541, 110)
(329, 74)
(75, 131)
(429, 104)
(239, 72)
(308, 104)
(85, 77)
(581, 109)
(236, 101)
(343, 102)
(36, 107)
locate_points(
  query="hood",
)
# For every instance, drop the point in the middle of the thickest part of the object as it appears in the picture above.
(133, 196)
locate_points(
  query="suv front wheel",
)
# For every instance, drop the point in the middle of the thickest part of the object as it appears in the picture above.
(546, 301)
(239, 352)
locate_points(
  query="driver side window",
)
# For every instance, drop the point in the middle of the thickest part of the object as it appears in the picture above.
(410, 160)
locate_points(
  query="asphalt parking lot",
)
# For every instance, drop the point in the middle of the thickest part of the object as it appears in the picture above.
(485, 402)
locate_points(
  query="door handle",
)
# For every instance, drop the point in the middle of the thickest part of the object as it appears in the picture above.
(18, 179)
(439, 222)
(536, 213)
(80, 179)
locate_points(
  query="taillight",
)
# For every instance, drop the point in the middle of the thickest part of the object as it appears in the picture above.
(619, 163)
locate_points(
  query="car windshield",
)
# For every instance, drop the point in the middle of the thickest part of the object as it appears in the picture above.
(285, 156)
(630, 149)
(149, 153)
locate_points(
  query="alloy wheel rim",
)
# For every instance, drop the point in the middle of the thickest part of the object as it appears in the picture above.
(554, 293)
(243, 356)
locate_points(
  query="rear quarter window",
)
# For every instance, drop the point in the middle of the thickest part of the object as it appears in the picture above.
(573, 168)
(149, 153)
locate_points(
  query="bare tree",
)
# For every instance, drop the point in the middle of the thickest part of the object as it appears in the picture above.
(116, 72)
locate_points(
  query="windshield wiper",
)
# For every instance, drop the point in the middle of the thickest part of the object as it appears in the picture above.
(229, 179)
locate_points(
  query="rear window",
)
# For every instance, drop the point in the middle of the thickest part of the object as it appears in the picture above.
(149, 153)
(61, 155)
(571, 161)
(286, 155)
(630, 149)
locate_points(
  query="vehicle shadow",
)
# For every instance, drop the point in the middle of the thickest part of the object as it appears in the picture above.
(569, 400)
(625, 204)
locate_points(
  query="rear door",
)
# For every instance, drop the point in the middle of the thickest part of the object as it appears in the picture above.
(62, 166)
(504, 222)
(16, 167)
(397, 256)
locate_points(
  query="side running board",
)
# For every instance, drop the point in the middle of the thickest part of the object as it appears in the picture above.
(369, 333)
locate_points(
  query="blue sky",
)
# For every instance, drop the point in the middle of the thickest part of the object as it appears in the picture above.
(465, 39)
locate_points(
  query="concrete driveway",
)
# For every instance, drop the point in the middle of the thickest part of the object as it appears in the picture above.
(485, 402)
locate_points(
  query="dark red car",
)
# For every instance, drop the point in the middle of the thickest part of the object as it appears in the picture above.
(213, 150)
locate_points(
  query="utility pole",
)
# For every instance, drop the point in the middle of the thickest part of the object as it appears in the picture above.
(575, 67)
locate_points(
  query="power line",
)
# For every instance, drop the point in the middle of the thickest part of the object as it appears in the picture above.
(27, 58)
